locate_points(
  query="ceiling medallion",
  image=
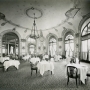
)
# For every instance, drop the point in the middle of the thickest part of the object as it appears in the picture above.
(32, 10)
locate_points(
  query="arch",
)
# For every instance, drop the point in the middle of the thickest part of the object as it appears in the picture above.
(87, 16)
(15, 32)
(64, 34)
(82, 24)
(50, 35)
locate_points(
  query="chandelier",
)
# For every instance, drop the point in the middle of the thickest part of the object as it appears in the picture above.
(34, 33)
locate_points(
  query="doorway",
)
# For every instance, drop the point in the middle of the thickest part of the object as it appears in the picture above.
(10, 45)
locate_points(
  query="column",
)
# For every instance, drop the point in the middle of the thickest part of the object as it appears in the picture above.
(8, 48)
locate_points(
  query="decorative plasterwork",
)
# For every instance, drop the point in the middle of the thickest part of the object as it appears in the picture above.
(59, 39)
(32, 10)
(50, 13)
(23, 40)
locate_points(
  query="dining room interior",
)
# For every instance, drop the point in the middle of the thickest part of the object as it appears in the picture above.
(44, 44)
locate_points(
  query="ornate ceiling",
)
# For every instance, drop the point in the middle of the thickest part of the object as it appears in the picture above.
(49, 13)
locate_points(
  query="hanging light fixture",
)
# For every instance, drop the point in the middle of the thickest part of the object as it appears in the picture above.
(34, 33)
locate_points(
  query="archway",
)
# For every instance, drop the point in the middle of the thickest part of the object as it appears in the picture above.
(85, 40)
(10, 45)
(65, 35)
(48, 37)
(52, 46)
(69, 45)
(84, 30)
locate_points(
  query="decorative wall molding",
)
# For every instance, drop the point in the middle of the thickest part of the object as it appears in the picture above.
(30, 11)
(59, 39)
(23, 40)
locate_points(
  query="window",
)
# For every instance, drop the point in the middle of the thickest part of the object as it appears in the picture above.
(52, 46)
(85, 50)
(69, 45)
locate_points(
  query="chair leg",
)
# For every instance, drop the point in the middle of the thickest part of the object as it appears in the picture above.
(79, 81)
(67, 80)
(31, 72)
(76, 81)
(3, 69)
(36, 71)
(51, 72)
(85, 81)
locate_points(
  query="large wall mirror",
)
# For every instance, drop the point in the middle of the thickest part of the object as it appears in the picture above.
(52, 46)
(31, 46)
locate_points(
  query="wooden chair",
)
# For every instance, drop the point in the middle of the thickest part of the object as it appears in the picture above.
(72, 72)
(88, 75)
(34, 67)
(1, 66)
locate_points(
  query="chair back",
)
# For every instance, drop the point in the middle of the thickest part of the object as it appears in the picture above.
(34, 65)
(72, 72)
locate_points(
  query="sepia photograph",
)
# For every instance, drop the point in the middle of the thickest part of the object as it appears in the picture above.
(44, 44)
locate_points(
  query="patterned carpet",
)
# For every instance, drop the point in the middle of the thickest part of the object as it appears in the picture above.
(21, 79)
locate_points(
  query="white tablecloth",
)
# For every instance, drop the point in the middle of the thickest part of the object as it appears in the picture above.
(34, 60)
(9, 63)
(2, 59)
(45, 66)
(82, 70)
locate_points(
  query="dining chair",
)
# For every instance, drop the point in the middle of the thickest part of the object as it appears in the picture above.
(1, 66)
(72, 72)
(34, 67)
(88, 75)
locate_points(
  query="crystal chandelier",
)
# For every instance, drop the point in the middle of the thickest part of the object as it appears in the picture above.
(34, 33)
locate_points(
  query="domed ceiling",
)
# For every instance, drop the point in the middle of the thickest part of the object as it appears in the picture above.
(48, 13)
